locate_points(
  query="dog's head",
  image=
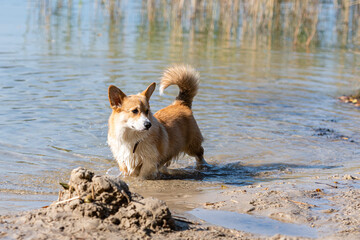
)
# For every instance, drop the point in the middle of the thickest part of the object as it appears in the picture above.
(131, 111)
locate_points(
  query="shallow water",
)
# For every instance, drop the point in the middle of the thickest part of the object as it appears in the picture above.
(253, 224)
(267, 113)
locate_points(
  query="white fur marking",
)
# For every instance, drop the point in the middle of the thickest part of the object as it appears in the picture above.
(161, 89)
(138, 124)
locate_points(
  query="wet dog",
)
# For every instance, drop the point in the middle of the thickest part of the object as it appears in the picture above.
(144, 143)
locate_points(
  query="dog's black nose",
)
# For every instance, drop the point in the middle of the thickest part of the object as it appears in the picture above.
(147, 125)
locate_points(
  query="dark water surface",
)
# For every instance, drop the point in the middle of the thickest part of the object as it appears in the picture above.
(266, 113)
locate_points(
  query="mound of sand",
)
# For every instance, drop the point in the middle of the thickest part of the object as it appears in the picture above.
(93, 206)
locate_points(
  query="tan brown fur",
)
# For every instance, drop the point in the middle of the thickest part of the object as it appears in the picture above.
(173, 129)
(186, 77)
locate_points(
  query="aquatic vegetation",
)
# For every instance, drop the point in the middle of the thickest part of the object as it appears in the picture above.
(301, 23)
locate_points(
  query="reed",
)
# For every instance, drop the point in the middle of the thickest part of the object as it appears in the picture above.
(302, 23)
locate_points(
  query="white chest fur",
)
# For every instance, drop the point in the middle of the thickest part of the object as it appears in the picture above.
(123, 151)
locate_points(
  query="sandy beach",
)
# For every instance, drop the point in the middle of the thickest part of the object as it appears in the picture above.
(103, 207)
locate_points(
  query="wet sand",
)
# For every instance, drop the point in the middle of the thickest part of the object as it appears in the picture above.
(330, 206)
(103, 207)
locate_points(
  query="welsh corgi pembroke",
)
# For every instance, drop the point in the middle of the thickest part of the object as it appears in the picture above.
(144, 143)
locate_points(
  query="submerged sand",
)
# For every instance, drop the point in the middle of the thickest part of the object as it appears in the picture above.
(103, 207)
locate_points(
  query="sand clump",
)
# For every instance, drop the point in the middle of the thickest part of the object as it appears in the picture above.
(92, 206)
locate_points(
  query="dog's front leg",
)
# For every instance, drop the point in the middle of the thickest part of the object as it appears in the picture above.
(123, 168)
(149, 171)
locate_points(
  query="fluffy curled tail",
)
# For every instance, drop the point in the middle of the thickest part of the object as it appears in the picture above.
(187, 79)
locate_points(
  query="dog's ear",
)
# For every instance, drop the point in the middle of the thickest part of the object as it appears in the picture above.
(149, 91)
(116, 97)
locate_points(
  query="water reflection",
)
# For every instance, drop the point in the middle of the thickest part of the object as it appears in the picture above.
(266, 23)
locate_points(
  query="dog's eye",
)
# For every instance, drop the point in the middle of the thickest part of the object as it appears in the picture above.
(135, 111)
(147, 112)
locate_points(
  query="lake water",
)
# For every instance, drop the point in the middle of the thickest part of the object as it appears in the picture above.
(267, 113)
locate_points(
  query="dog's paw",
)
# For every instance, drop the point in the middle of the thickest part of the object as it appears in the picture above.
(203, 166)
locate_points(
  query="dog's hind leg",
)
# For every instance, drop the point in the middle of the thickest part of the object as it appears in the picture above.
(198, 153)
